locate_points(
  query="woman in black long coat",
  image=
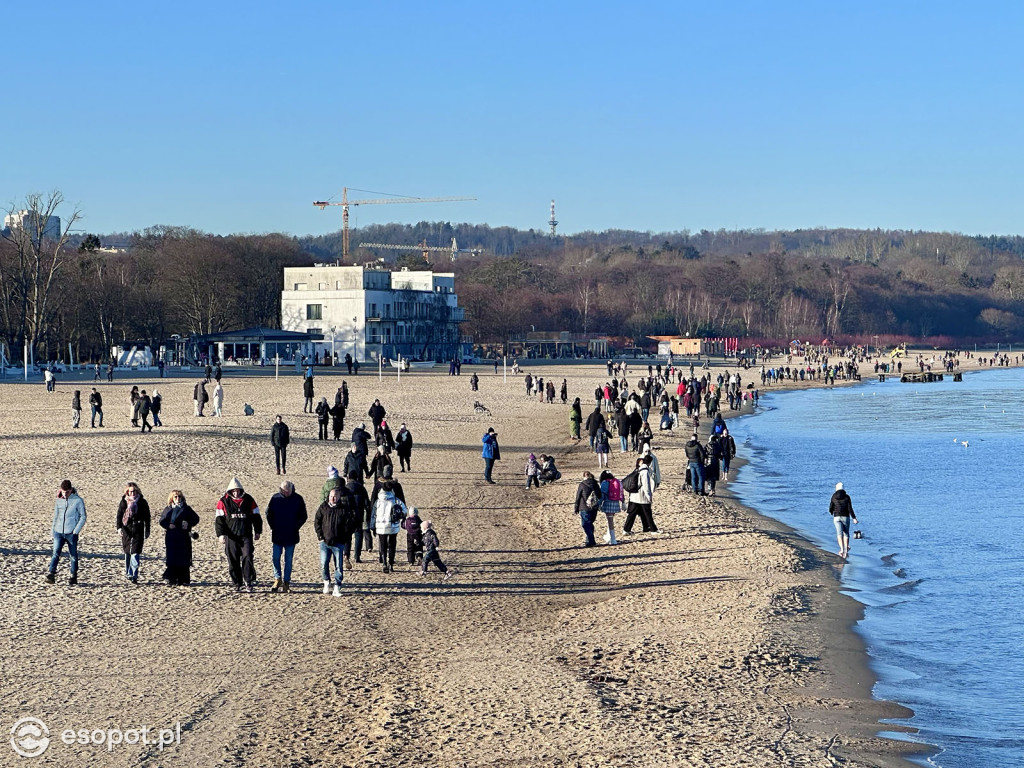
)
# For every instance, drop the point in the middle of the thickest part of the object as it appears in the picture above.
(179, 521)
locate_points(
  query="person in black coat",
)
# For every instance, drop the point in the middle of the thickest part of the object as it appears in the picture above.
(286, 514)
(361, 438)
(361, 505)
(588, 516)
(840, 506)
(307, 392)
(403, 447)
(337, 416)
(133, 522)
(595, 423)
(323, 417)
(179, 521)
(279, 438)
(376, 414)
(355, 463)
(76, 408)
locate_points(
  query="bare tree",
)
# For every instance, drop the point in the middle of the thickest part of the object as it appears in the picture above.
(39, 255)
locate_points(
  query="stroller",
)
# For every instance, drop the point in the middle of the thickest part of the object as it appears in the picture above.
(480, 408)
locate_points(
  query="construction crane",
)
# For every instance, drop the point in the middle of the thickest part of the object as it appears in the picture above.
(454, 250)
(345, 203)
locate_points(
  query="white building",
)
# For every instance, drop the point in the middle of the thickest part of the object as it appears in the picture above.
(370, 311)
(26, 220)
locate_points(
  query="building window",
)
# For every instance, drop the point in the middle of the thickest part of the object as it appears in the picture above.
(373, 310)
(337, 285)
(300, 286)
(314, 311)
(322, 286)
(313, 330)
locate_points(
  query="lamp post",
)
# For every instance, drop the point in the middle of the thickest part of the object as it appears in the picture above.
(334, 331)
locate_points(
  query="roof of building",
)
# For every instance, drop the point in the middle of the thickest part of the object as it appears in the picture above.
(259, 333)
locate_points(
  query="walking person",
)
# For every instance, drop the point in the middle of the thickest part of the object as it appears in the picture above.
(431, 544)
(96, 404)
(361, 532)
(337, 416)
(145, 408)
(601, 448)
(76, 409)
(595, 423)
(532, 472)
(728, 452)
(133, 523)
(386, 519)
(200, 397)
(218, 398)
(323, 416)
(840, 506)
(696, 457)
(238, 525)
(491, 453)
(403, 447)
(639, 502)
(133, 408)
(333, 525)
(279, 438)
(575, 418)
(68, 522)
(286, 514)
(155, 407)
(588, 503)
(413, 527)
(179, 522)
(307, 393)
(611, 503)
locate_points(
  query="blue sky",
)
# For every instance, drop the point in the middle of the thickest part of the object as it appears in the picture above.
(234, 117)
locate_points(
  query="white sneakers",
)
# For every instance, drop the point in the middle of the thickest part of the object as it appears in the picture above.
(337, 591)
(327, 587)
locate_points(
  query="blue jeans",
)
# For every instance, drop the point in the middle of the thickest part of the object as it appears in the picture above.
(644, 413)
(587, 521)
(131, 565)
(327, 554)
(97, 412)
(59, 540)
(623, 439)
(488, 466)
(697, 475)
(289, 552)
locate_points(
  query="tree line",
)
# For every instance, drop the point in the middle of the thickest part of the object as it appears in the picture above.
(95, 291)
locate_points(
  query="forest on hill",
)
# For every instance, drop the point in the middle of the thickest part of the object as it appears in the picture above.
(764, 286)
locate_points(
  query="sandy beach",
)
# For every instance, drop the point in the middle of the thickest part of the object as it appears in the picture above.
(722, 642)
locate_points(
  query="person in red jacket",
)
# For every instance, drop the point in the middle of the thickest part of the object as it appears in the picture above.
(238, 525)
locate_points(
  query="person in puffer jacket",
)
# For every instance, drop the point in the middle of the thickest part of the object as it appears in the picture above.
(386, 519)
(68, 522)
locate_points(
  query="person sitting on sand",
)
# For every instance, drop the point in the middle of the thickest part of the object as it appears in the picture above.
(548, 471)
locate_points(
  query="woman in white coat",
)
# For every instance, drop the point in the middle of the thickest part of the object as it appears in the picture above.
(218, 400)
(386, 519)
(639, 502)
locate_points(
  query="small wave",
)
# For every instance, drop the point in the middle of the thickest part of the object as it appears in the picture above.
(889, 559)
(903, 586)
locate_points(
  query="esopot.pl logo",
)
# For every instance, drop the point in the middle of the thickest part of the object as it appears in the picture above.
(30, 737)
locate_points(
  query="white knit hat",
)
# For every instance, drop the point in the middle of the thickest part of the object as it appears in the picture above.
(839, 486)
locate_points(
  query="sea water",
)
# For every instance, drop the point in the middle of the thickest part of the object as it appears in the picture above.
(935, 475)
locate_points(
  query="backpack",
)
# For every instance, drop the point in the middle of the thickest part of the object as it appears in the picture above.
(592, 503)
(631, 482)
(397, 512)
(614, 489)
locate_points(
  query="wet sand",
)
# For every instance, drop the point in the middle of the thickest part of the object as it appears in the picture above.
(722, 642)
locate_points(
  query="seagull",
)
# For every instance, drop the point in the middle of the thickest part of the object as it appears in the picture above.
(963, 443)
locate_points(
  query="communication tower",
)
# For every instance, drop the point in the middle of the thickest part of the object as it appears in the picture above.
(552, 222)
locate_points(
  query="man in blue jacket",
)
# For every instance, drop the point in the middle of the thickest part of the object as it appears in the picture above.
(286, 514)
(491, 453)
(68, 522)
